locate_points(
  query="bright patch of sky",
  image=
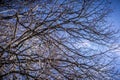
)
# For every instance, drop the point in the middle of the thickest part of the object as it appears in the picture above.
(82, 44)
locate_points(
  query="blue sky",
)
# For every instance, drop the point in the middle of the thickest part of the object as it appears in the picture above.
(114, 17)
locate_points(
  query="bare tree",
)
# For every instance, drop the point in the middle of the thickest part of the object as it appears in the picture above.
(57, 40)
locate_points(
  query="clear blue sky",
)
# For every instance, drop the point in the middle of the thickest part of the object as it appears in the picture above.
(115, 15)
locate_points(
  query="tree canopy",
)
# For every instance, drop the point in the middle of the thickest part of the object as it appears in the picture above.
(56, 40)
